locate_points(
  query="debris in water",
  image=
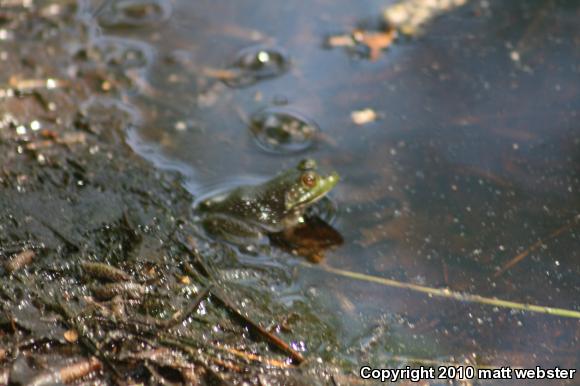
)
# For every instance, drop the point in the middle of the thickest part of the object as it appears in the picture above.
(364, 116)
(409, 16)
(26, 85)
(374, 41)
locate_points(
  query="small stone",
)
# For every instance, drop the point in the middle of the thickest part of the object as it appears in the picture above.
(71, 336)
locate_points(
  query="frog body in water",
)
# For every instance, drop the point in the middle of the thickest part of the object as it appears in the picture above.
(246, 214)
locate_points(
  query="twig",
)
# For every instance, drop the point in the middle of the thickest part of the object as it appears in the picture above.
(256, 358)
(41, 100)
(24, 85)
(447, 293)
(190, 246)
(194, 273)
(146, 323)
(190, 310)
(273, 339)
(538, 244)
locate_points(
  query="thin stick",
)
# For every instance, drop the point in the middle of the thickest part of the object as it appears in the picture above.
(196, 302)
(256, 358)
(273, 339)
(447, 293)
(191, 248)
(538, 244)
(144, 325)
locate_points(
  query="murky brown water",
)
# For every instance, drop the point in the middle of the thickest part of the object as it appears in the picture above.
(474, 158)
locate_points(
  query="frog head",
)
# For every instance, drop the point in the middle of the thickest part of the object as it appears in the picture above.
(305, 186)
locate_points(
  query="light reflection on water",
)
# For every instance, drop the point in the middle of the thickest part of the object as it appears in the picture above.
(473, 160)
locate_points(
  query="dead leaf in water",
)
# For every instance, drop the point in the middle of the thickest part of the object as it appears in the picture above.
(364, 116)
(375, 41)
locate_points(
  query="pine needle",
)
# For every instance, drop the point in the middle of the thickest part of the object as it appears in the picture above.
(447, 293)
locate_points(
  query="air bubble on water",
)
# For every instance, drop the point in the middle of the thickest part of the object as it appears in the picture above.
(135, 13)
(282, 130)
(256, 63)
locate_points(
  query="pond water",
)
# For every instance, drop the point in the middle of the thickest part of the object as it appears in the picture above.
(470, 157)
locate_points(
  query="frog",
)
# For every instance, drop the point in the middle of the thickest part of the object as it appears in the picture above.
(247, 214)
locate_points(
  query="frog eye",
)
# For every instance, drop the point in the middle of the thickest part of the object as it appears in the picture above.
(309, 179)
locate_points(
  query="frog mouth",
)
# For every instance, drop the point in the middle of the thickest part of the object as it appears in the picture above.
(324, 186)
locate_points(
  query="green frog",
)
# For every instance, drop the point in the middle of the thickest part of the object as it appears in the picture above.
(246, 214)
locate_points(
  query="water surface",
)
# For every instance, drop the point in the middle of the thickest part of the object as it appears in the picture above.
(474, 159)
